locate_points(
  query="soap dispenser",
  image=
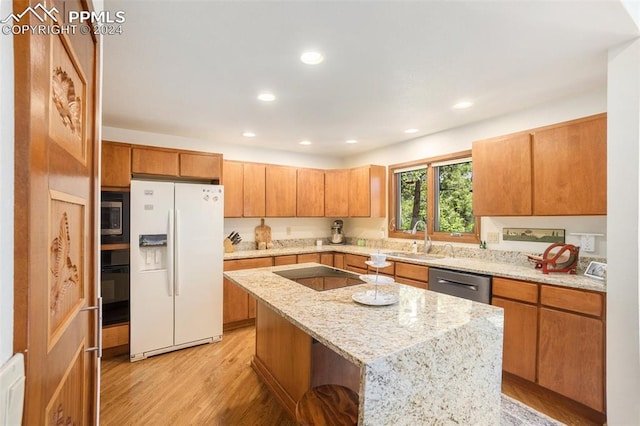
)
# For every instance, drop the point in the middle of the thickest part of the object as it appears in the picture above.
(414, 247)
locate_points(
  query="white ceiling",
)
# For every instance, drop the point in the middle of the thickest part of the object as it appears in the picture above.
(194, 68)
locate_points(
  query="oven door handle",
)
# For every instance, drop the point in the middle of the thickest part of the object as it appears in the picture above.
(468, 286)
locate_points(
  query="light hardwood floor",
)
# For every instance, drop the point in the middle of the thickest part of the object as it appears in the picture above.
(205, 385)
(215, 385)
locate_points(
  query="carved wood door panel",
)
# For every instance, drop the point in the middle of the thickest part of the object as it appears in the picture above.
(56, 151)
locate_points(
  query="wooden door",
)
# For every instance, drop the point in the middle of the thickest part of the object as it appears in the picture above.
(280, 191)
(336, 193)
(520, 337)
(502, 176)
(232, 180)
(310, 197)
(571, 356)
(253, 190)
(570, 168)
(56, 151)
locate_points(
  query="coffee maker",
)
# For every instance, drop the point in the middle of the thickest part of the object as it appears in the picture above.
(337, 237)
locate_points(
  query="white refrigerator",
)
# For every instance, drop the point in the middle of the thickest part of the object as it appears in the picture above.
(176, 266)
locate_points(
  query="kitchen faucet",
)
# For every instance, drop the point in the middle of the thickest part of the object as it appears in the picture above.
(427, 238)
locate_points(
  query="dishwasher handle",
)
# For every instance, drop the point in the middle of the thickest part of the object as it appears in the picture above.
(448, 282)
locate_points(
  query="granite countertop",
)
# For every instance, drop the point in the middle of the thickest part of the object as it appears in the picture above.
(474, 265)
(409, 352)
(331, 316)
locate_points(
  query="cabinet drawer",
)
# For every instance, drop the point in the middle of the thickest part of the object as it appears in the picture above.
(260, 262)
(389, 270)
(154, 162)
(420, 284)
(581, 301)
(285, 260)
(115, 335)
(309, 257)
(357, 261)
(411, 271)
(517, 290)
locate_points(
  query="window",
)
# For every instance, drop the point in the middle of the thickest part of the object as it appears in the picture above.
(434, 196)
(411, 187)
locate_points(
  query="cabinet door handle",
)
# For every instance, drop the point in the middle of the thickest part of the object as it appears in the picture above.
(98, 309)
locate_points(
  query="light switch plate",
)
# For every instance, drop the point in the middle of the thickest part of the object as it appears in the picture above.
(12, 391)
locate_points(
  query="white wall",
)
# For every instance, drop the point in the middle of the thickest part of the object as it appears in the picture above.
(623, 222)
(230, 152)
(6, 191)
(460, 139)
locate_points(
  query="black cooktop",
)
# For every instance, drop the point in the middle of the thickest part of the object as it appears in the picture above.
(321, 278)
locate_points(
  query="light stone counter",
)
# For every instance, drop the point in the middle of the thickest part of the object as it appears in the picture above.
(428, 359)
(474, 265)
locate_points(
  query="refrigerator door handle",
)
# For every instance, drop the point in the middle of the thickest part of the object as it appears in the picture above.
(169, 252)
(177, 253)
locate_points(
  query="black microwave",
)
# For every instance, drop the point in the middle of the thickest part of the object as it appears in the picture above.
(114, 217)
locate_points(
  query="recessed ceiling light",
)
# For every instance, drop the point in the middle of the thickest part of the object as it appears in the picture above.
(351, 141)
(463, 105)
(312, 58)
(249, 135)
(267, 97)
(305, 142)
(411, 131)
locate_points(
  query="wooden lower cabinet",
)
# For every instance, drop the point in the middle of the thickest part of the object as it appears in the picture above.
(339, 261)
(355, 263)
(115, 339)
(571, 356)
(554, 337)
(284, 350)
(326, 259)
(413, 275)
(290, 362)
(291, 259)
(238, 307)
(520, 337)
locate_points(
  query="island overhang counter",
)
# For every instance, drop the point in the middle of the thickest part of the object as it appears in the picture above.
(430, 358)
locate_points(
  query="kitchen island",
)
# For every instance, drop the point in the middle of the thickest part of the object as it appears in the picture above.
(427, 359)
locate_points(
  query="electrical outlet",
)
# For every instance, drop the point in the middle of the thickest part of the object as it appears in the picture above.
(493, 237)
(587, 243)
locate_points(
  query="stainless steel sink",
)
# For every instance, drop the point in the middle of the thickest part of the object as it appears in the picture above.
(417, 256)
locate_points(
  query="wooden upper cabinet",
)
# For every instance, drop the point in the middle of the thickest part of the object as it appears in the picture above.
(310, 193)
(367, 191)
(206, 166)
(116, 165)
(570, 168)
(502, 176)
(232, 179)
(336, 193)
(253, 193)
(150, 161)
(280, 191)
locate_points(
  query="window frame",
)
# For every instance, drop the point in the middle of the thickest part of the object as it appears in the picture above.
(428, 163)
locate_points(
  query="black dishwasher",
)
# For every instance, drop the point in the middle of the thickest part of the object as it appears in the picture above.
(466, 285)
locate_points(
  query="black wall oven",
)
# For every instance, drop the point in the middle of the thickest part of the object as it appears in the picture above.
(114, 217)
(114, 286)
